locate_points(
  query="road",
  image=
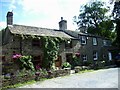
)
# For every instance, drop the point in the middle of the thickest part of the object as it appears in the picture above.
(104, 78)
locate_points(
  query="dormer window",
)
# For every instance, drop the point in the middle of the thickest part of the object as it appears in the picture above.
(68, 44)
(94, 41)
(83, 39)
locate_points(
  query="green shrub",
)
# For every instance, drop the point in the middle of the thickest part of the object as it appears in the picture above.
(75, 61)
(26, 62)
(87, 63)
(43, 72)
(101, 64)
(25, 72)
(66, 65)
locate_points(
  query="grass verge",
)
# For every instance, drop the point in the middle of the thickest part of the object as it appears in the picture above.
(84, 71)
(21, 84)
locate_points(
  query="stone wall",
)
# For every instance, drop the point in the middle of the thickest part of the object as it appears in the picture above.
(25, 46)
(75, 48)
(11, 80)
(28, 49)
(89, 48)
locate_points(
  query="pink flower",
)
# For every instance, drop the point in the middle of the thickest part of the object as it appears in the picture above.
(37, 66)
(77, 54)
(16, 56)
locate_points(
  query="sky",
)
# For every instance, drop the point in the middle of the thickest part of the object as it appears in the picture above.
(41, 13)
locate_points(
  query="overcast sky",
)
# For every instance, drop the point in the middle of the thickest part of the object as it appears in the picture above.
(41, 13)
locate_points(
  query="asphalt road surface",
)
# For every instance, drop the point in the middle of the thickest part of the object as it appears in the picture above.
(105, 78)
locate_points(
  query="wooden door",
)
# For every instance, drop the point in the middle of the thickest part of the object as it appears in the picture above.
(58, 62)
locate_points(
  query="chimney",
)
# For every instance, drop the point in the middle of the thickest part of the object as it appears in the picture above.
(9, 18)
(62, 24)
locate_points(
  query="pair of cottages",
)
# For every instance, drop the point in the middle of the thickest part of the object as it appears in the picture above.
(90, 48)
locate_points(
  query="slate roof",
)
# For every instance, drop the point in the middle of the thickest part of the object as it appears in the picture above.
(29, 30)
(76, 34)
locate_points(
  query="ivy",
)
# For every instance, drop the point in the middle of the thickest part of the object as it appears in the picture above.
(27, 36)
(51, 46)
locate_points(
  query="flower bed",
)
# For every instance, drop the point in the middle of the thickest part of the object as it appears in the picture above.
(24, 77)
(61, 72)
(16, 79)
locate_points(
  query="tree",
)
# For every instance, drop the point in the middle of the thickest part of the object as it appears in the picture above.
(93, 18)
(116, 16)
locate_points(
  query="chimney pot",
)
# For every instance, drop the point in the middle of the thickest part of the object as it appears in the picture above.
(61, 18)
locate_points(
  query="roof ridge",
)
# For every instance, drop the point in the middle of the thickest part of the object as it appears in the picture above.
(34, 27)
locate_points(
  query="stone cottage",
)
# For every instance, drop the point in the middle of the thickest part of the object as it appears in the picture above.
(90, 48)
(13, 43)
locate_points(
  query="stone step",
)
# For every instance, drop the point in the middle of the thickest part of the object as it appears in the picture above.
(72, 71)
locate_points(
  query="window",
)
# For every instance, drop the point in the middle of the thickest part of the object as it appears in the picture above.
(95, 55)
(68, 44)
(35, 42)
(110, 56)
(37, 60)
(83, 40)
(94, 41)
(3, 59)
(84, 57)
(104, 56)
(106, 42)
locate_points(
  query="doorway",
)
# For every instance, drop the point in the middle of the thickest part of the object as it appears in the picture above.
(58, 62)
(69, 57)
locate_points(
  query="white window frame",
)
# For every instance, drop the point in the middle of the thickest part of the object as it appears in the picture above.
(95, 55)
(94, 41)
(110, 56)
(84, 58)
(104, 42)
(83, 40)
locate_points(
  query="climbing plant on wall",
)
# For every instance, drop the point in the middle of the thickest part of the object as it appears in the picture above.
(51, 49)
(50, 46)
(27, 36)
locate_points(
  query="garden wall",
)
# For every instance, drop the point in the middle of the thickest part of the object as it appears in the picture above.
(14, 79)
